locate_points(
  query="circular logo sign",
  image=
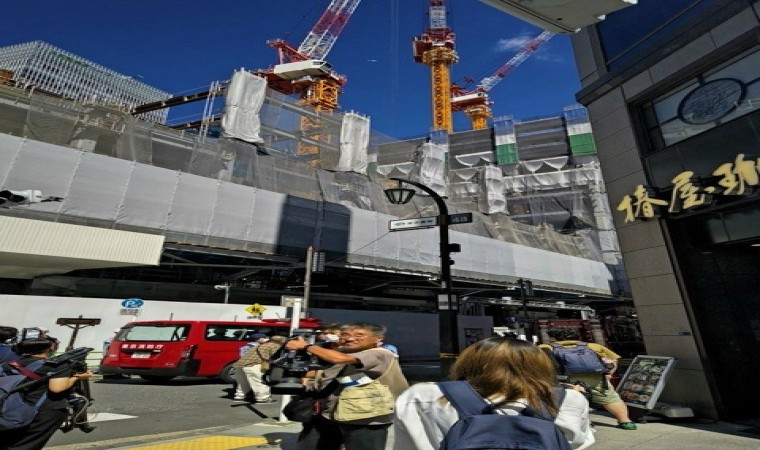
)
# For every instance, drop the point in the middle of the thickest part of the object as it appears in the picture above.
(132, 303)
(711, 101)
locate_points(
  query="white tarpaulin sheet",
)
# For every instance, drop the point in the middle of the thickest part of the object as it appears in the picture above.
(242, 105)
(491, 193)
(432, 167)
(354, 144)
(189, 208)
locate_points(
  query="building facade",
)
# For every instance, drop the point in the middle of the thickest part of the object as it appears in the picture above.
(43, 66)
(673, 92)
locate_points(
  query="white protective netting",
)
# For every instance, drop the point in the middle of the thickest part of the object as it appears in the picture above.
(275, 197)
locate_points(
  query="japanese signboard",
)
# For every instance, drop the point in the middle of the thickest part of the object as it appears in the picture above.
(735, 178)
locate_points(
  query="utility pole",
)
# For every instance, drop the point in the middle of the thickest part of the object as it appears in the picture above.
(307, 280)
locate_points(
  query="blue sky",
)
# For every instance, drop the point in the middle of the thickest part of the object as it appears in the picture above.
(181, 46)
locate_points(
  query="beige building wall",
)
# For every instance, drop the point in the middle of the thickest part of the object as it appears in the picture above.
(661, 306)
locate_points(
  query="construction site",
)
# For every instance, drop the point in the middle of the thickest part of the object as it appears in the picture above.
(274, 170)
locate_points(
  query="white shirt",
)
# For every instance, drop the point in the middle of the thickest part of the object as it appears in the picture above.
(424, 415)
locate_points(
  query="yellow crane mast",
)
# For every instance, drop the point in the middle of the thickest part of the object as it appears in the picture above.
(435, 48)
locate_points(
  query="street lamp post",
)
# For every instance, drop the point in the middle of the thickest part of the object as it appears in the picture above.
(447, 304)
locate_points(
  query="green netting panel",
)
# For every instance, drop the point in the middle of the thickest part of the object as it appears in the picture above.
(582, 144)
(507, 154)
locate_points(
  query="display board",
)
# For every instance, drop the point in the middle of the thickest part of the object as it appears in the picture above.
(644, 380)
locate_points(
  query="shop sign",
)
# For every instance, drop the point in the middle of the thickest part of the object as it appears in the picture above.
(735, 178)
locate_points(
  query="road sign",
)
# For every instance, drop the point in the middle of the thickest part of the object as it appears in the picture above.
(412, 224)
(255, 309)
(132, 303)
(77, 321)
(460, 218)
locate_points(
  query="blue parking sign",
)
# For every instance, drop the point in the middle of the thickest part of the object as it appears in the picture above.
(132, 303)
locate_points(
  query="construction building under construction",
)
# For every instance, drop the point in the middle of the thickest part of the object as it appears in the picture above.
(241, 208)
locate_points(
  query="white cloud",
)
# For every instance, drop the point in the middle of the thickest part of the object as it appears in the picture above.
(513, 43)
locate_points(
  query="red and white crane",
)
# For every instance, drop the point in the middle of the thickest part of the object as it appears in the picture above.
(475, 103)
(304, 69)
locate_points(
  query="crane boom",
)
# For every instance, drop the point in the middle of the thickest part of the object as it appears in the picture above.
(487, 83)
(323, 35)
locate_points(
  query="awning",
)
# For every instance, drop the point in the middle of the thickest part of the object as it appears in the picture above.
(31, 248)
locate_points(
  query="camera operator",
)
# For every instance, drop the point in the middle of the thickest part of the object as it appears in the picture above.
(53, 411)
(359, 362)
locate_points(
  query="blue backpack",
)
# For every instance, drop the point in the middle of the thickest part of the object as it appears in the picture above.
(15, 411)
(481, 428)
(579, 359)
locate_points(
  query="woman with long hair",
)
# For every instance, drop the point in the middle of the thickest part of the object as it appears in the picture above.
(508, 373)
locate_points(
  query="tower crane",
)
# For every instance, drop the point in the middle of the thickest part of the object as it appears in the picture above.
(435, 48)
(475, 103)
(303, 70)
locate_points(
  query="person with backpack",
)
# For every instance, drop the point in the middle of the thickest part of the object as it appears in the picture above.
(7, 339)
(50, 393)
(250, 368)
(588, 363)
(503, 396)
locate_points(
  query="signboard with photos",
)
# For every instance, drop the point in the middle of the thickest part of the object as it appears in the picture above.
(644, 380)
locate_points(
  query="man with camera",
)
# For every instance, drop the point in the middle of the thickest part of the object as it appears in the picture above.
(58, 385)
(359, 371)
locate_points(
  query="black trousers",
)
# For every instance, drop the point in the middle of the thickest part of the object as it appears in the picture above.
(323, 434)
(35, 435)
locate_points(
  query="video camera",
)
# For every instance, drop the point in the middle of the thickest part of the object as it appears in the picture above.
(80, 398)
(288, 367)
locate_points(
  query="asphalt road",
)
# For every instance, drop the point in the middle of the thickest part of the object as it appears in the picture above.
(125, 410)
(133, 411)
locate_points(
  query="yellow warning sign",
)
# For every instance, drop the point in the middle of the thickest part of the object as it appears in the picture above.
(255, 309)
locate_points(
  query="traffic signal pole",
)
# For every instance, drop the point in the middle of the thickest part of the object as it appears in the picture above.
(448, 326)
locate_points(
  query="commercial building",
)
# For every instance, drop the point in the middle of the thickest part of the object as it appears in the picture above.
(56, 71)
(673, 93)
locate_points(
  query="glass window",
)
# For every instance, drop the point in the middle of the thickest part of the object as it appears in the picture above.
(704, 102)
(161, 333)
(626, 33)
(233, 332)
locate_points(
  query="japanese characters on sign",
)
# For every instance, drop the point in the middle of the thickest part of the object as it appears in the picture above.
(734, 178)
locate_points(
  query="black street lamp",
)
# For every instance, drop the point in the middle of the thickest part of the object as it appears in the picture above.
(447, 303)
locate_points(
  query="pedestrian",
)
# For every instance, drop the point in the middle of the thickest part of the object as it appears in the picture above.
(8, 337)
(508, 373)
(53, 411)
(602, 391)
(329, 336)
(359, 371)
(250, 369)
(256, 339)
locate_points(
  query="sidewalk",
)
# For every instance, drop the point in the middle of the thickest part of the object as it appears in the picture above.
(271, 434)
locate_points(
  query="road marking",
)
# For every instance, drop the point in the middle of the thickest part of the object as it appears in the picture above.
(208, 443)
(112, 443)
(104, 417)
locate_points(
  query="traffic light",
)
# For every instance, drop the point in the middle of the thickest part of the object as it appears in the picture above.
(16, 198)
